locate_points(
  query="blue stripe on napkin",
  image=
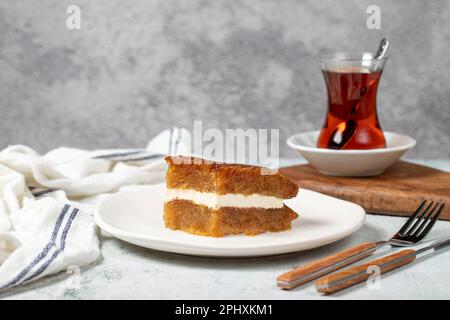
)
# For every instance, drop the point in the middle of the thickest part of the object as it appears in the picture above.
(41, 192)
(118, 154)
(62, 245)
(149, 157)
(44, 251)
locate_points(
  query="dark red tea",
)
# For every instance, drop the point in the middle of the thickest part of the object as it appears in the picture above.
(352, 120)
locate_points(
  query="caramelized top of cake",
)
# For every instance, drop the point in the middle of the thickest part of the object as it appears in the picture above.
(222, 178)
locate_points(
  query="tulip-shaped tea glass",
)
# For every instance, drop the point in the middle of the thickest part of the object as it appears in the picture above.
(351, 121)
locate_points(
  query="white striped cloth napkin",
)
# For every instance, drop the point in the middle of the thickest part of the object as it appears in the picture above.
(47, 201)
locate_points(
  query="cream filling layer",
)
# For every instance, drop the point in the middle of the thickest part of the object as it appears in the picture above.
(216, 201)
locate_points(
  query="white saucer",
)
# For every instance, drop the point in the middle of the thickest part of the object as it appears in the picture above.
(136, 216)
(350, 163)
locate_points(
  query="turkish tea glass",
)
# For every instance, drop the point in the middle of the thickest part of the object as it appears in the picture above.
(352, 120)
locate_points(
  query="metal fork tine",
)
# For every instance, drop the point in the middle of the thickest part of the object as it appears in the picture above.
(426, 213)
(421, 234)
(412, 217)
(415, 232)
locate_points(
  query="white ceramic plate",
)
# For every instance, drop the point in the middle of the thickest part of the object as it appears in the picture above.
(352, 163)
(136, 216)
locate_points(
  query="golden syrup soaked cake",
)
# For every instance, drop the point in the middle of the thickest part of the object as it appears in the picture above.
(216, 199)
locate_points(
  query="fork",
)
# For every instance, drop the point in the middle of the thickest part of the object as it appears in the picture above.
(413, 231)
(357, 274)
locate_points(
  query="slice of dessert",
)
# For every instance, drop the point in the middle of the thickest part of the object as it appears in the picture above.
(215, 199)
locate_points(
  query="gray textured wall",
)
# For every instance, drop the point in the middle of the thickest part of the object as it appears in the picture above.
(137, 67)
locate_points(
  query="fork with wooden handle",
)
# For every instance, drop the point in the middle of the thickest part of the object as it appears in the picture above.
(349, 277)
(412, 232)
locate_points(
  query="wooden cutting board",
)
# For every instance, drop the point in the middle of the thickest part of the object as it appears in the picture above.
(398, 191)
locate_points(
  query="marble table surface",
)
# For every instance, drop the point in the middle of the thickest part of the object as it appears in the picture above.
(126, 271)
